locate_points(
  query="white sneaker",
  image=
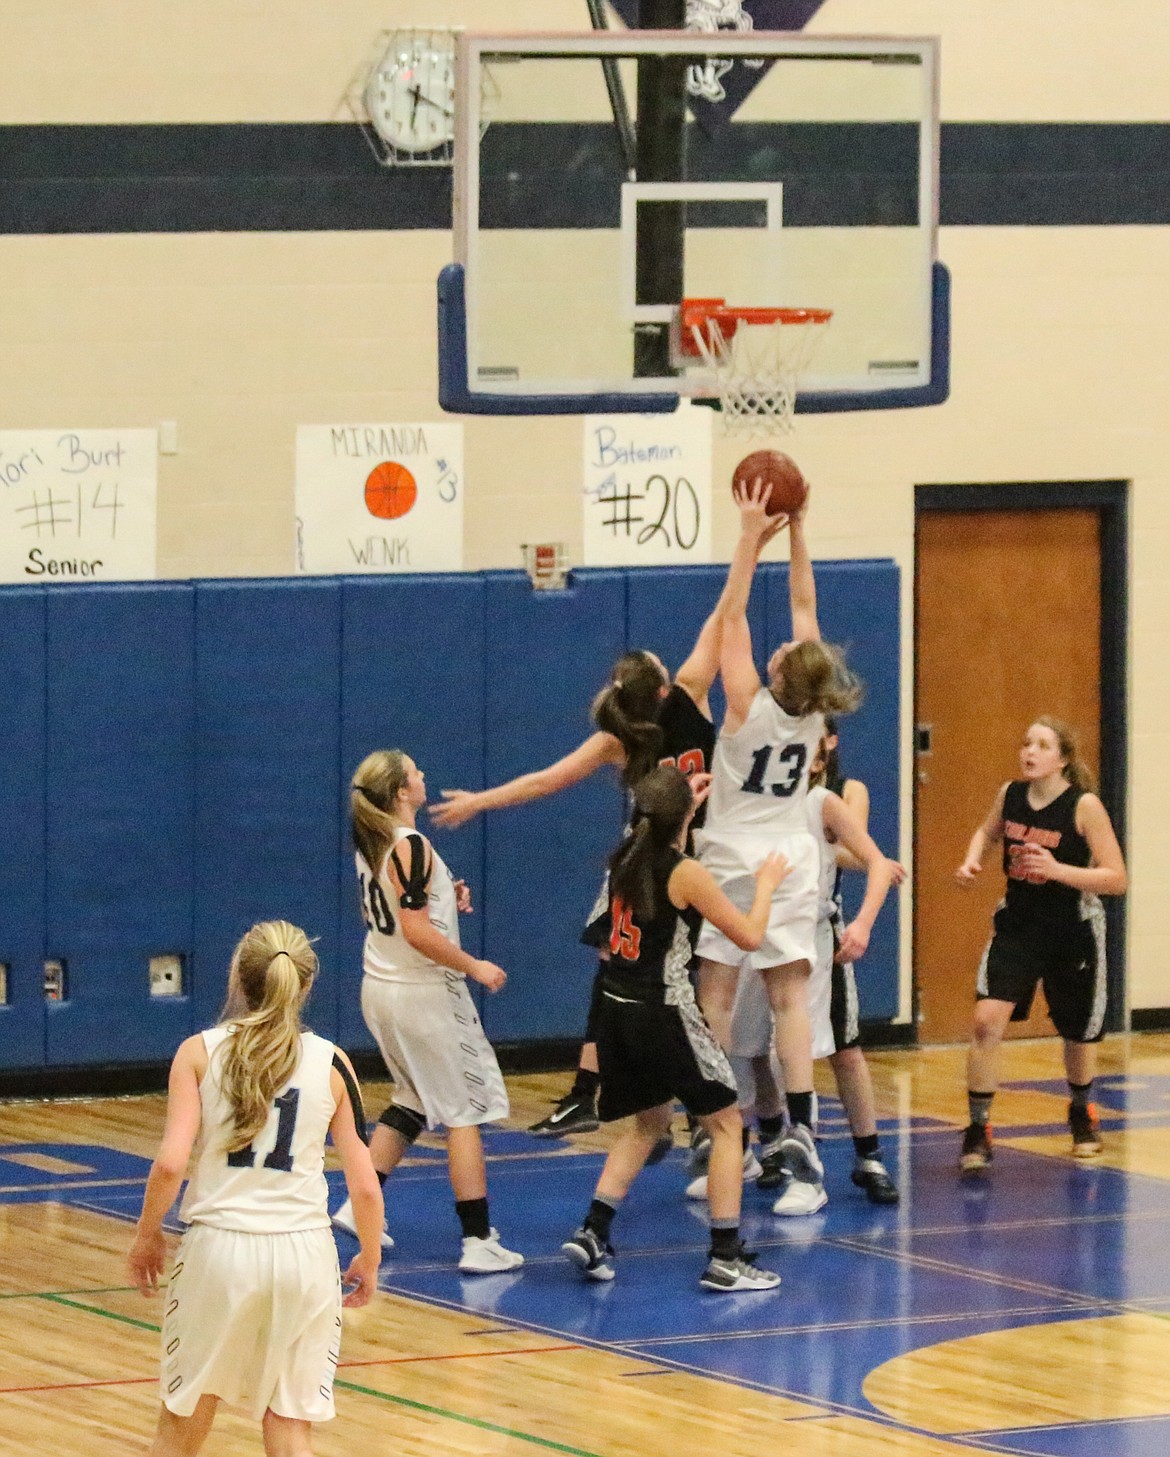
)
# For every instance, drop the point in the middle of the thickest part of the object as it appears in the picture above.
(343, 1219)
(487, 1256)
(801, 1198)
(697, 1188)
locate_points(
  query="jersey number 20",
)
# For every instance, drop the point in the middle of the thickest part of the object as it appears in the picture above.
(791, 758)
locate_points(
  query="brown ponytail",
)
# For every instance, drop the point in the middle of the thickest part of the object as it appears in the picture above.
(662, 804)
(273, 969)
(628, 708)
(1076, 771)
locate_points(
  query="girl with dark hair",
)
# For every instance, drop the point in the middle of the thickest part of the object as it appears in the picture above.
(653, 1044)
(254, 1299)
(1059, 855)
(760, 782)
(416, 1003)
(643, 719)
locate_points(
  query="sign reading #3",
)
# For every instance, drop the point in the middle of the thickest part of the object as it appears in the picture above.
(379, 498)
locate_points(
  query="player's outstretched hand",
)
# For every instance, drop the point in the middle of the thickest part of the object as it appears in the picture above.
(457, 808)
(967, 872)
(774, 869)
(363, 1276)
(898, 872)
(753, 518)
(147, 1260)
(488, 974)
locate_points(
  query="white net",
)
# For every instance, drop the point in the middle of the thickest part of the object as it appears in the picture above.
(759, 367)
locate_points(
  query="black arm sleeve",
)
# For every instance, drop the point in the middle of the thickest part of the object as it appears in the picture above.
(415, 881)
(355, 1096)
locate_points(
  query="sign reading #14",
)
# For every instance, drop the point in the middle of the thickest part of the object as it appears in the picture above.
(78, 505)
(379, 498)
(648, 488)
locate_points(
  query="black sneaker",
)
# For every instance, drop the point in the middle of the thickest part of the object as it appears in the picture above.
(976, 1151)
(592, 1258)
(1086, 1131)
(572, 1114)
(872, 1175)
(773, 1170)
(738, 1273)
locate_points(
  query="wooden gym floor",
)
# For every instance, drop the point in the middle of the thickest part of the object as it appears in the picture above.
(1025, 1312)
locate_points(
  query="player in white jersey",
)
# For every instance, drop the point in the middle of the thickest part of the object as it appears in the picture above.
(254, 1299)
(837, 818)
(416, 1003)
(760, 779)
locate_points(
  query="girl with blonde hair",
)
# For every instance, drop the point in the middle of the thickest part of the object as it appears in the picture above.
(416, 1003)
(254, 1299)
(1060, 855)
(760, 781)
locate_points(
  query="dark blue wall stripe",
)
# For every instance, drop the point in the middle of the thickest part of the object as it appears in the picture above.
(313, 177)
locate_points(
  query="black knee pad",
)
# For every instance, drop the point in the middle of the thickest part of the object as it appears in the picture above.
(404, 1121)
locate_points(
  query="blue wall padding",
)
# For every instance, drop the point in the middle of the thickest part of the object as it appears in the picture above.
(267, 750)
(119, 814)
(546, 655)
(858, 608)
(22, 816)
(413, 665)
(175, 761)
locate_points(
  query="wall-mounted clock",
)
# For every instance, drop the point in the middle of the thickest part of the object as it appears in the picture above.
(410, 95)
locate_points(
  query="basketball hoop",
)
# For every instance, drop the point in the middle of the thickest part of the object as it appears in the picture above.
(757, 356)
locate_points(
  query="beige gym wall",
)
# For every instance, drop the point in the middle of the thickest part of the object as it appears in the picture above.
(1061, 334)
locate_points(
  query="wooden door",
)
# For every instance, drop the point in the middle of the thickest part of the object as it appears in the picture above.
(1007, 627)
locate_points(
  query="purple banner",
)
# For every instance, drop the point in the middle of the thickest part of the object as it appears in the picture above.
(719, 87)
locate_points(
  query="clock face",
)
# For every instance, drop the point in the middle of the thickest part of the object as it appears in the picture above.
(411, 97)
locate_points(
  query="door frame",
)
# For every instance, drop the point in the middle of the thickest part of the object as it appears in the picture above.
(1111, 500)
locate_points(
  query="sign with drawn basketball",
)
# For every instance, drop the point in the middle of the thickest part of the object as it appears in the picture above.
(78, 505)
(379, 498)
(648, 488)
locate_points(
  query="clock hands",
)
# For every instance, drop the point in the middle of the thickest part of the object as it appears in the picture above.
(419, 95)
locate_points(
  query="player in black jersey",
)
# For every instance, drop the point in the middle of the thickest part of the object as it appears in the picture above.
(653, 1043)
(1059, 854)
(643, 719)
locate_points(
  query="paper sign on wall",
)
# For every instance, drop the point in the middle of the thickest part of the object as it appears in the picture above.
(648, 488)
(78, 505)
(379, 498)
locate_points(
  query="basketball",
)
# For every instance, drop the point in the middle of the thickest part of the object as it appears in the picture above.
(788, 489)
(391, 490)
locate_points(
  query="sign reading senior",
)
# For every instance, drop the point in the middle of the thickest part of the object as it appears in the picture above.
(648, 488)
(379, 498)
(78, 505)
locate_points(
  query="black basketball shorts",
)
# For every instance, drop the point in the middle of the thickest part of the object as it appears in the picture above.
(1068, 960)
(650, 1054)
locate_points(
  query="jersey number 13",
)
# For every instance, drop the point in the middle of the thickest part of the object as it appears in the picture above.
(791, 762)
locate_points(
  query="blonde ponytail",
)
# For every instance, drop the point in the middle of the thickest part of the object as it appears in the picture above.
(373, 795)
(273, 969)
